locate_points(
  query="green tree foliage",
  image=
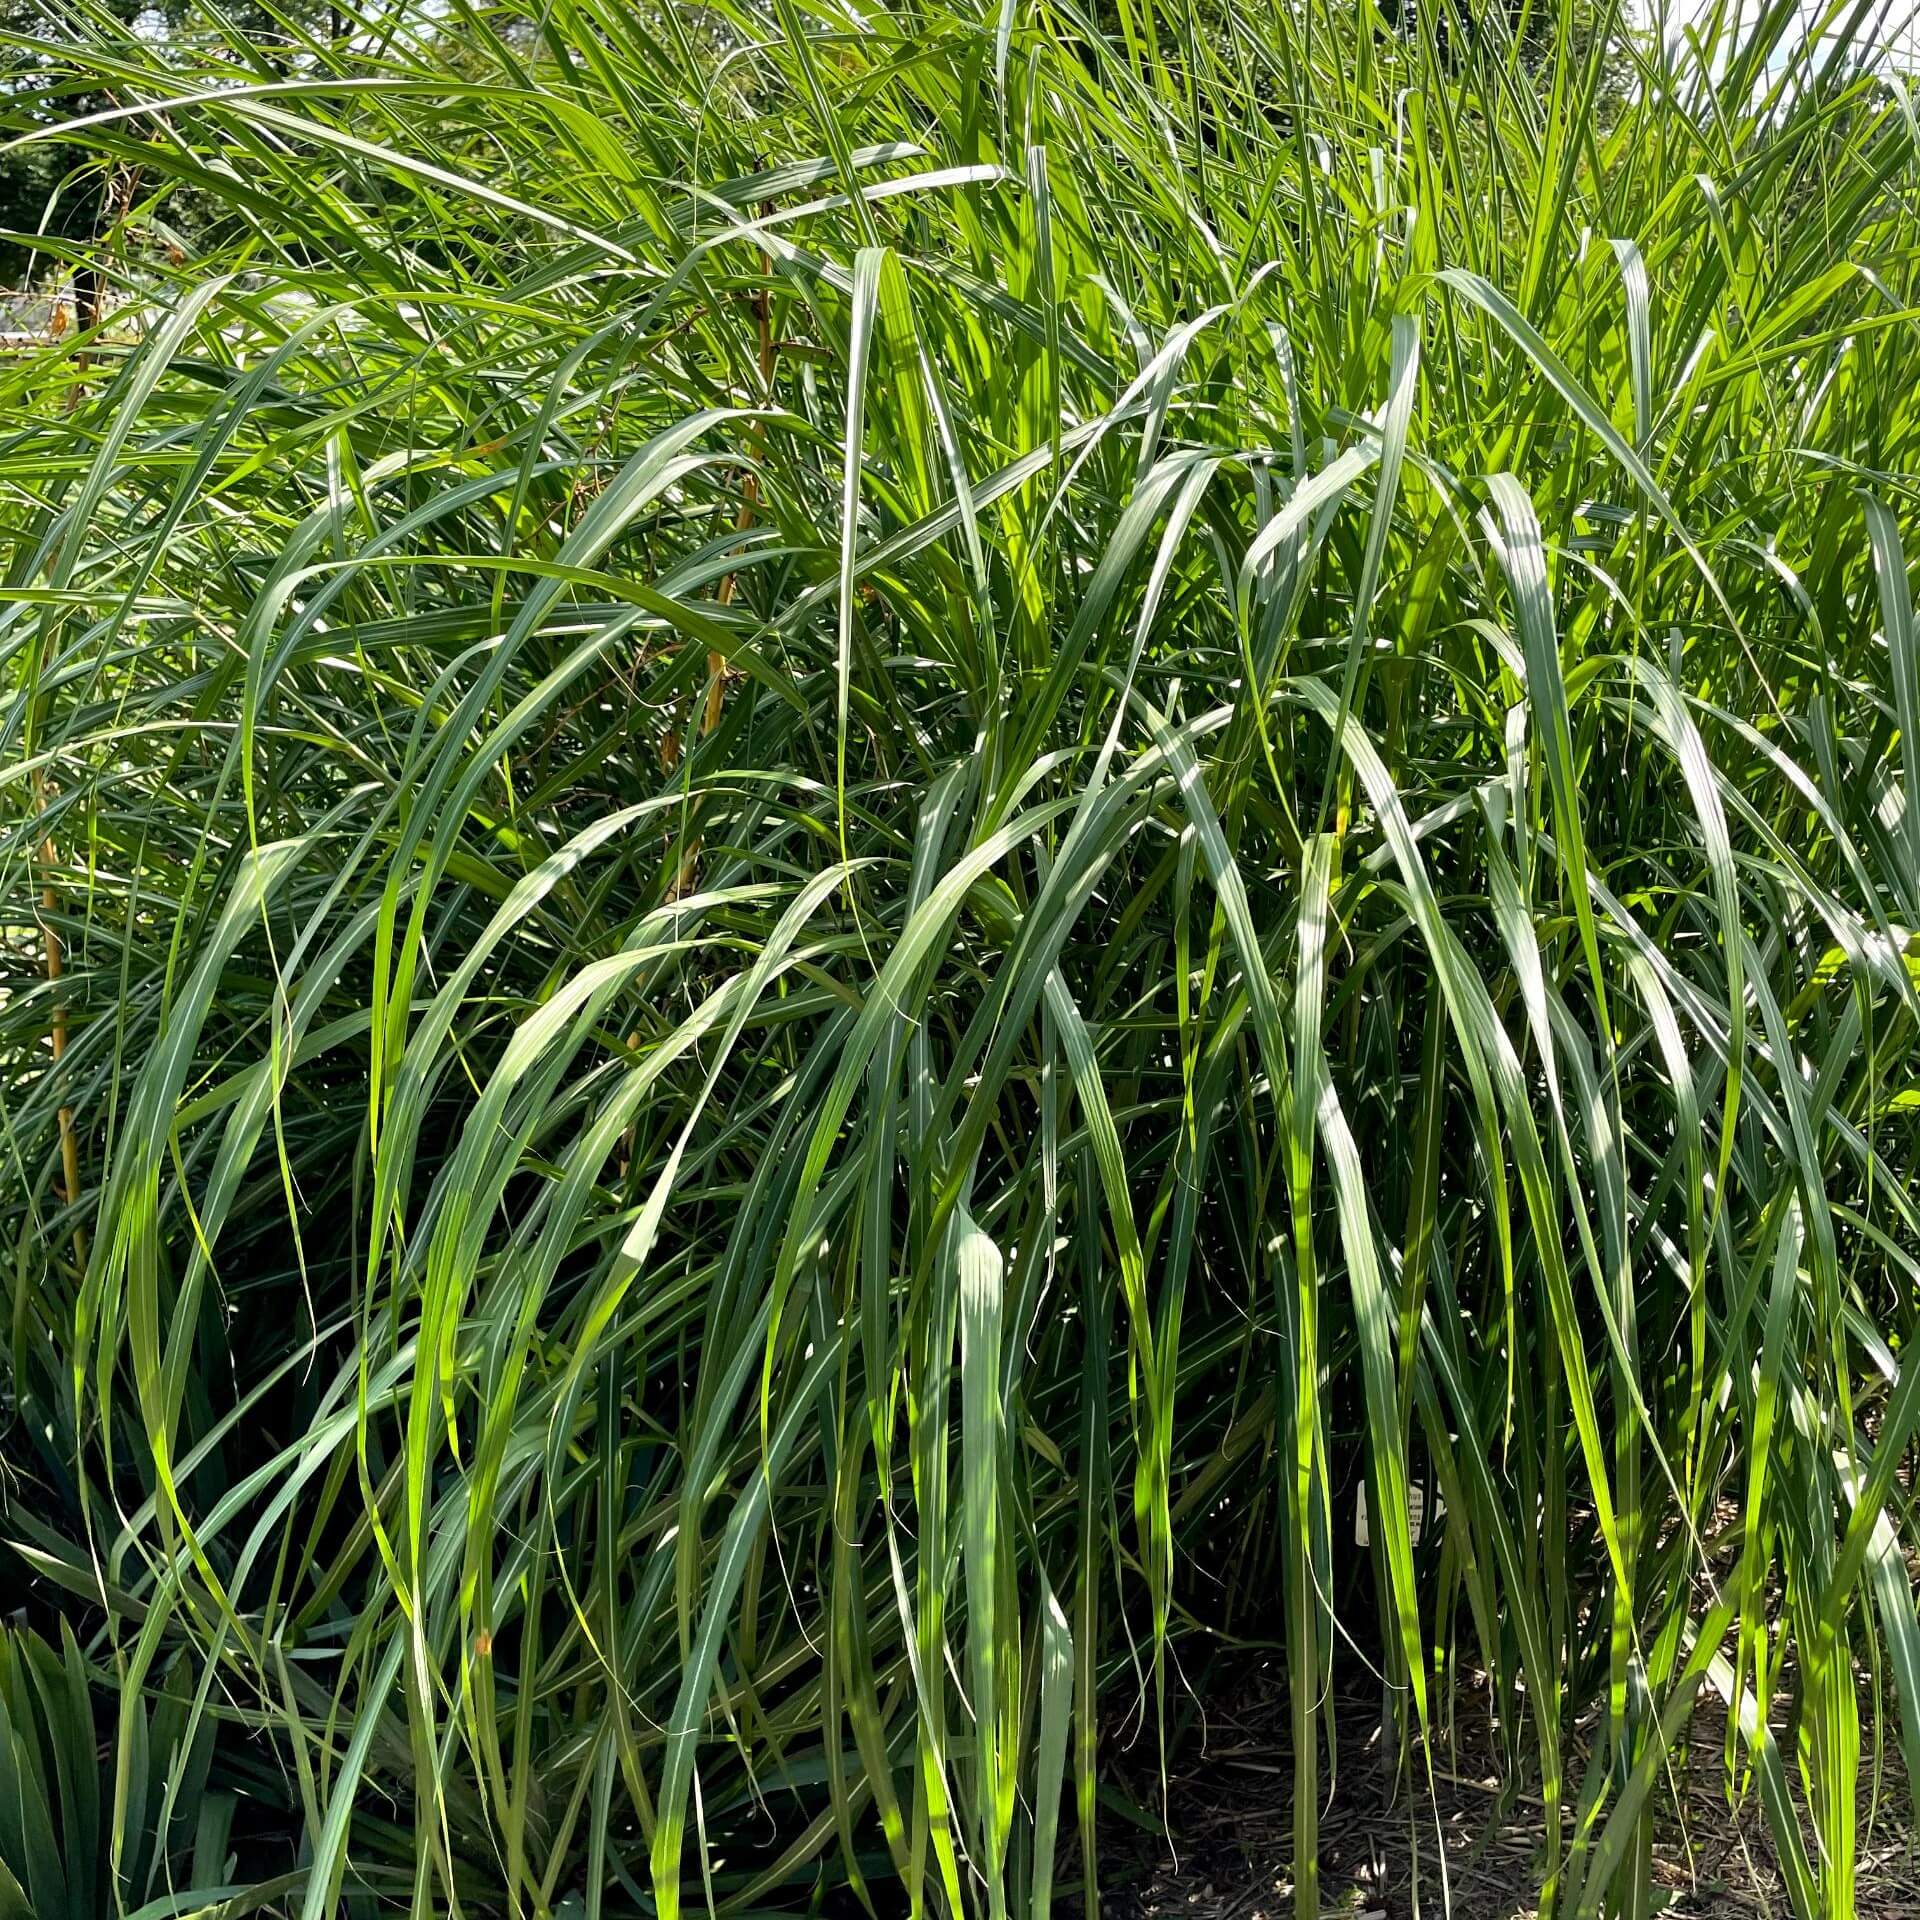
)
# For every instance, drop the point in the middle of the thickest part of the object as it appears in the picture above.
(63, 198)
(56, 192)
(835, 839)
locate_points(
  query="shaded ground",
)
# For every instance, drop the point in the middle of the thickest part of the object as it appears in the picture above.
(1229, 1808)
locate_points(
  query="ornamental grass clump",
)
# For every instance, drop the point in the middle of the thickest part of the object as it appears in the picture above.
(842, 843)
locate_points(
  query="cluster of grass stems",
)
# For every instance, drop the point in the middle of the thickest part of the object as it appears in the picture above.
(840, 838)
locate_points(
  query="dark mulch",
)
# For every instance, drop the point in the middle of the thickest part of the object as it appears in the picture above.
(1229, 1809)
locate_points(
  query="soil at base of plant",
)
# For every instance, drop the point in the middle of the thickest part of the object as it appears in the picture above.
(1390, 1850)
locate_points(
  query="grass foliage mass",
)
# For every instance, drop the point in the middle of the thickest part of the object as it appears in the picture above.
(839, 837)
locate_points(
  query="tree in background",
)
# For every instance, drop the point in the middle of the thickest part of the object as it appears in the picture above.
(60, 198)
(56, 196)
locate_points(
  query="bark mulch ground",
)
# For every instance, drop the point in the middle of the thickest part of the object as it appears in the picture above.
(1229, 1809)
